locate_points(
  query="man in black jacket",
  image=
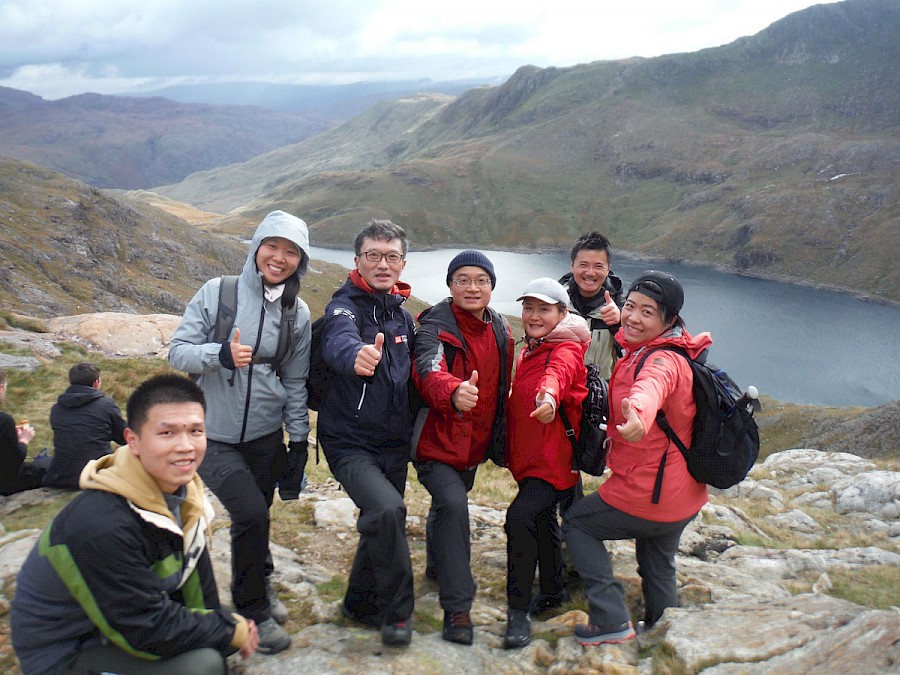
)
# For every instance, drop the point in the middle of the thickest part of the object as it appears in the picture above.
(84, 421)
(365, 424)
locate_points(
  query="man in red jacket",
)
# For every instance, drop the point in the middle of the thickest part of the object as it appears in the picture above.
(463, 362)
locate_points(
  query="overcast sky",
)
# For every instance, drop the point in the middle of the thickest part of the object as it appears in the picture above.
(56, 48)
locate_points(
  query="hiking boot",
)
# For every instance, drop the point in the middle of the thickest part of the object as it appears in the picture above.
(365, 614)
(545, 603)
(397, 634)
(518, 629)
(278, 610)
(589, 634)
(272, 637)
(457, 628)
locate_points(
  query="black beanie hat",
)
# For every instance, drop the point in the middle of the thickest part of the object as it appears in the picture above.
(662, 287)
(470, 257)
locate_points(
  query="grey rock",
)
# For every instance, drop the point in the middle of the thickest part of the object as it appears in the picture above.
(875, 492)
(27, 363)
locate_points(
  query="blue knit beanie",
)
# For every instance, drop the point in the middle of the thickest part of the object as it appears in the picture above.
(470, 257)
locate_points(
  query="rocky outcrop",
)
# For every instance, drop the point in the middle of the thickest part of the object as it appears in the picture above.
(118, 333)
(740, 609)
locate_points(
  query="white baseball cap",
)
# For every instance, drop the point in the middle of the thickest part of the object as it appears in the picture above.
(547, 290)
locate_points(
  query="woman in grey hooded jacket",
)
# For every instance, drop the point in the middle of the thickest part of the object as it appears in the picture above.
(250, 401)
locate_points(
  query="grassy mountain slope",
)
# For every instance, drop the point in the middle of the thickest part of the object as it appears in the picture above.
(774, 155)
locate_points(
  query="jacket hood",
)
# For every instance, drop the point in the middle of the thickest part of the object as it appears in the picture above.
(78, 395)
(121, 473)
(613, 283)
(280, 224)
(401, 288)
(675, 337)
(572, 328)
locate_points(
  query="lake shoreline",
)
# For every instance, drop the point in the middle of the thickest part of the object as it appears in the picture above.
(636, 256)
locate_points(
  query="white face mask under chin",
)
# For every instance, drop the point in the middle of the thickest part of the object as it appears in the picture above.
(272, 293)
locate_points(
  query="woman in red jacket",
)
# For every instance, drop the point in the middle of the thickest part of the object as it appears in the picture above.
(550, 373)
(623, 507)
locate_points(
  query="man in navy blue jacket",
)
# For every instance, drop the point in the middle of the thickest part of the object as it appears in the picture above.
(365, 424)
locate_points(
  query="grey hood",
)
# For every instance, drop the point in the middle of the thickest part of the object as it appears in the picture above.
(279, 224)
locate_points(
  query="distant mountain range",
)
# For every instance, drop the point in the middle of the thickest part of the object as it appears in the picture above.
(777, 155)
(137, 141)
(317, 101)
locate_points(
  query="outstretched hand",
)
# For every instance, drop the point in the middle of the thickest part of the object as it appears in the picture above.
(466, 395)
(241, 355)
(368, 357)
(632, 429)
(545, 410)
(610, 312)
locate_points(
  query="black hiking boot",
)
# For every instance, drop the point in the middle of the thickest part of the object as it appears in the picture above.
(518, 629)
(458, 628)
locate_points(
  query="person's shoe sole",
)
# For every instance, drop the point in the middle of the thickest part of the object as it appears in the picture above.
(516, 643)
(458, 636)
(607, 638)
(274, 648)
(366, 620)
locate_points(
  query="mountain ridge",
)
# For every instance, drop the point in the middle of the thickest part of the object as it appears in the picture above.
(774, 155)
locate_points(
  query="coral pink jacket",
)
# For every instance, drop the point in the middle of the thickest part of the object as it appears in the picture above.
(665, 382)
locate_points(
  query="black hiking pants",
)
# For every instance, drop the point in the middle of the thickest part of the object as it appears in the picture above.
(589, 523)
(447, 538)
(243, 477)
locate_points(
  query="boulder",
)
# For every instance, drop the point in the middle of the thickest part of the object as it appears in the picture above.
(119, 333)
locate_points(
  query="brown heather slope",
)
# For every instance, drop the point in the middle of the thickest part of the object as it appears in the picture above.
(67, 248)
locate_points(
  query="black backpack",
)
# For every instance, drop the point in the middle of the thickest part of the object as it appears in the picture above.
(589, 446)
(725, 438)
(320, 374)
(227, 311)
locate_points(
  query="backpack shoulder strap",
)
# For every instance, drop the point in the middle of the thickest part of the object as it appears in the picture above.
(226, 309)
(286, 332)
(663, 423)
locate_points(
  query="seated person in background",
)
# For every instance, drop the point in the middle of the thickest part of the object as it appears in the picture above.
(121, 580)
(84, 421)
(16, 475)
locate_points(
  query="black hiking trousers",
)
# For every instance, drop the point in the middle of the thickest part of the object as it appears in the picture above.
(589, 523)
(243, 477)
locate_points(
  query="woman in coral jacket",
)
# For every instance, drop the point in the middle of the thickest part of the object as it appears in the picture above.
(624, 506)
(550, 373)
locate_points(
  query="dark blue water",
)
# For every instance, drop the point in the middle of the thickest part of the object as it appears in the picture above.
(794, 343)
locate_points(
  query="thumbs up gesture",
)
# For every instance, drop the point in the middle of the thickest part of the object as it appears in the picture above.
(545, 406)
(368, 357)
(632, 429)
(241, 355)
(610, 312)
(466, 395)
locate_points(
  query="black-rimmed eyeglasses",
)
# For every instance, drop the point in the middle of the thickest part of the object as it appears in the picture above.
(377, 256)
